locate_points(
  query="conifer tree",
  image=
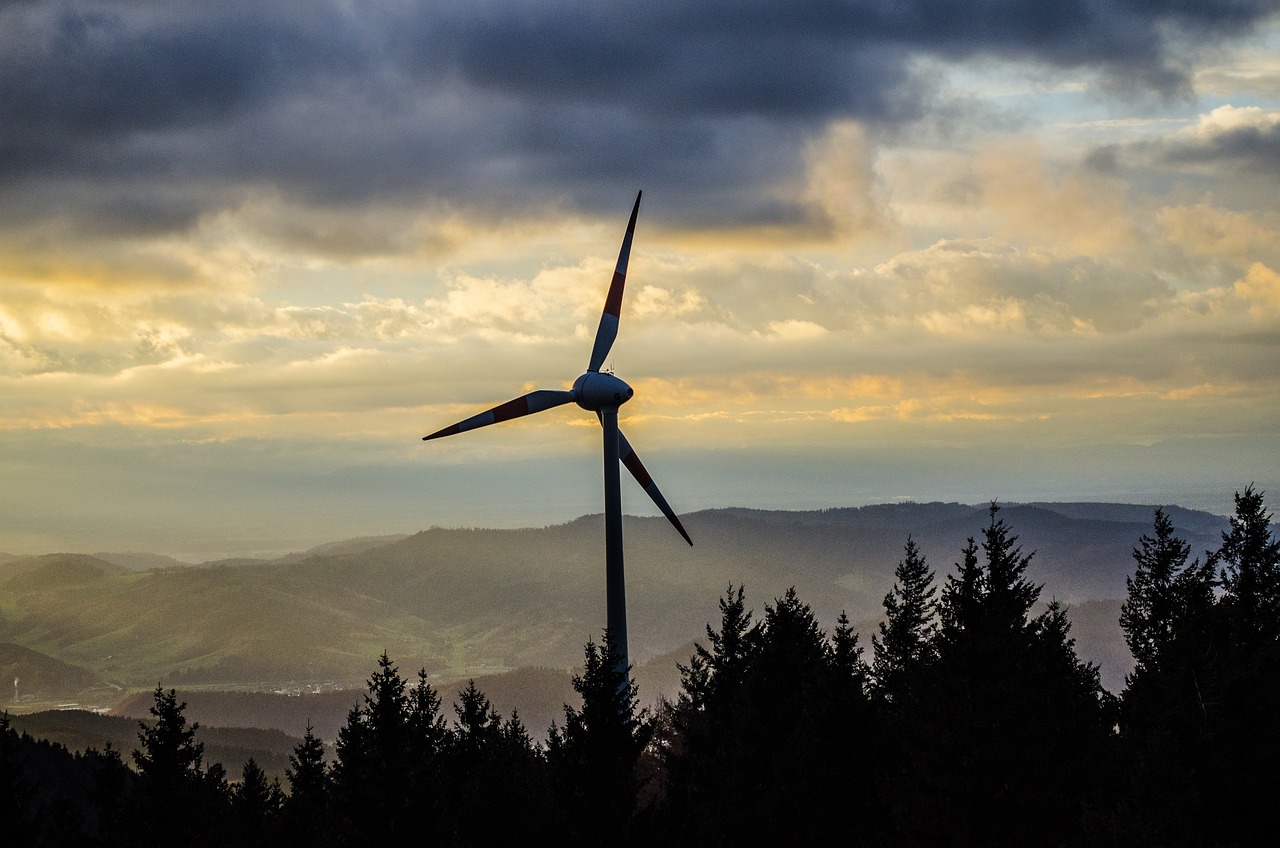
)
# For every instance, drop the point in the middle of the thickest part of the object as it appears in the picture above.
(905, 640)
(1009, 595)
(771, 720)
(1243, 700)
(472, 765)
(177, 797)
(1008, 721)
(1251, 571)
(306, 810)
(16, 792)
(428, 734)
(700, 747)
(1173, 626)
(479, 725)
(427, 727)
(516, 736)
(904, 649)
(962, 594)
(714, 672)
(110, 789)
(493, 764)
(384, 756)
(1166, 596)
(804, 729)
(846, 656)
(593, 757)
(170, 754)
(255, 805)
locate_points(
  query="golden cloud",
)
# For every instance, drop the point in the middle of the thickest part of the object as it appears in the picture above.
(841, 183)
(1207, 230)
(1014, 190)
(1260, 290)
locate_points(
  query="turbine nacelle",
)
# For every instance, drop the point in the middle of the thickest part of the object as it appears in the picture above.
(597, 391)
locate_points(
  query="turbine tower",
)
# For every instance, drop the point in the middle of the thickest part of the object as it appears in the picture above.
(602, 393)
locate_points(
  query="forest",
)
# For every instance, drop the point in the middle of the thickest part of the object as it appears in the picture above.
(966, 718)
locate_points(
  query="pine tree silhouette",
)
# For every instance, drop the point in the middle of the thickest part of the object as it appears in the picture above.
(1243, 727)
(384, 785)
(905, 640)
(307, 812)
(593, 757)
(255, 808)
(1167, 600)
(177, 797)
(16, 793)
(1251, 572)
(493, 764)
(1007, 723)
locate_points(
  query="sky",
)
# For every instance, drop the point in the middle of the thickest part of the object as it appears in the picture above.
(888, 249)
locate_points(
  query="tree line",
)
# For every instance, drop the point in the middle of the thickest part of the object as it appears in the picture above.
(970, 721)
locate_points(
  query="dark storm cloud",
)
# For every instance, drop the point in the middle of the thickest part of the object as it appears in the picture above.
(1253, 149)
(77, 81)
(811, 58)
(669, 59)
(482, 102)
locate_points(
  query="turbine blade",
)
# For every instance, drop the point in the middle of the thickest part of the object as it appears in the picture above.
(612, 314)
(521, 406)
(632, 461)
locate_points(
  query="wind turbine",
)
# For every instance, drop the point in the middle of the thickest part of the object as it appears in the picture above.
(602, 393)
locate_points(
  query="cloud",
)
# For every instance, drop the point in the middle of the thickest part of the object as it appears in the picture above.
(1203, 229)
(1245, 140)
(1256, 75)
(315, 231)
(1260, 289)
(841, 182)
(222, 365)
(664, 304)
(171, 113)
(976, 286)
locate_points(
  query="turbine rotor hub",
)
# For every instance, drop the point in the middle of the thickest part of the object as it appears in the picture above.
(596, 391)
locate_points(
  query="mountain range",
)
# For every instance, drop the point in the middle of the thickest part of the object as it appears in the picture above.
(467, 602)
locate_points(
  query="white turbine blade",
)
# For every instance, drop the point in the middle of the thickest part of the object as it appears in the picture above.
(524, 405)
(612, 314)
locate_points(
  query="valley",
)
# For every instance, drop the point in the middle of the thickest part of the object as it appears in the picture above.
(275, 644)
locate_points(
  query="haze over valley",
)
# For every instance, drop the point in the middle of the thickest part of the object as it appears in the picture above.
(92, 629)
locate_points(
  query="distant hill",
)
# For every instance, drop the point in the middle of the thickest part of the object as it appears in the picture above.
(1186, 520)
(231, 746)
(537, 694)
(290, 714)
(136, 561)
(463, 602)
(53, 570)
(346, 546)
(143, 561)
(37, 677)
(233, 562)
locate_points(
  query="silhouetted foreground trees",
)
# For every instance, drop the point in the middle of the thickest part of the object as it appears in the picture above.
(972, 723)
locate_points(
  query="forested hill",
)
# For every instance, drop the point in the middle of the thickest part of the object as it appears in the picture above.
(973, 722)
(467, 601)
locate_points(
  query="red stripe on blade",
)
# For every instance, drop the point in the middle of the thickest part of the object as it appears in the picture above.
(613, 303)
(637, 469)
